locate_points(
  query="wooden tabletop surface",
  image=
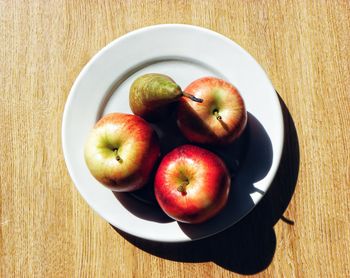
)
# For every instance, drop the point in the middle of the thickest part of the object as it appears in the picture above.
(301, 228)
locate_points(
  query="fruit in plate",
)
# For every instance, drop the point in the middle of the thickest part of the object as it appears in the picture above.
(151, 94)
(219, 119)
(192, 184)
(121, 151)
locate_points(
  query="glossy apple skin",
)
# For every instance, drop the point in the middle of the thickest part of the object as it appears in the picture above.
(208, 184)
(137, 146)
(198, 121)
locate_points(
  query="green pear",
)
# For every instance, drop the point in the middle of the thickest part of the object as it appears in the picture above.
(151, 94)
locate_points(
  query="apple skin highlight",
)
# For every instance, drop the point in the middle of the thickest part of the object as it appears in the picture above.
(192, 184)
(219, 119)
(121, 151)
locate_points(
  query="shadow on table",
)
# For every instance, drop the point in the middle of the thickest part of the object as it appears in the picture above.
(249, 246)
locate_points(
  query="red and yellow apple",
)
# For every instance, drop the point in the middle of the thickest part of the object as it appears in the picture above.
(219, 119)
(121, 151)
(191, 184)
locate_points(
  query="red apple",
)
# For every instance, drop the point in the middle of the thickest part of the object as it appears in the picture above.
(121, 151)
(219, 119)
(191, 184)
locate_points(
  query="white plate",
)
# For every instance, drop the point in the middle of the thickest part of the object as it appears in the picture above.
(185, 53)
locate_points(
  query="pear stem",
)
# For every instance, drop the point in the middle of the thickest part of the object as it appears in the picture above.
(192, 97)
(216, 113)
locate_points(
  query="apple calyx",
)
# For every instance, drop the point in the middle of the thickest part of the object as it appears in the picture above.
(117, 157)
(216, 114)
(192, 97)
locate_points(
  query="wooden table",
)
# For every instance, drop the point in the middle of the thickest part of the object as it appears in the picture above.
(302, 226)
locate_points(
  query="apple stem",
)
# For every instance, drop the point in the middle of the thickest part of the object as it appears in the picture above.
(118, 158)
(192, 97)
(216, 113)
(182, 187)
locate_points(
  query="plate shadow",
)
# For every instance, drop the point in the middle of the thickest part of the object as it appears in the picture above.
(247, 247)
(256, 162)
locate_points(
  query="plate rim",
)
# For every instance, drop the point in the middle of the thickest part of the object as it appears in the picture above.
(96, 56)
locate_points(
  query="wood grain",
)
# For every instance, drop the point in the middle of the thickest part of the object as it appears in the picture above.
(302, 226)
